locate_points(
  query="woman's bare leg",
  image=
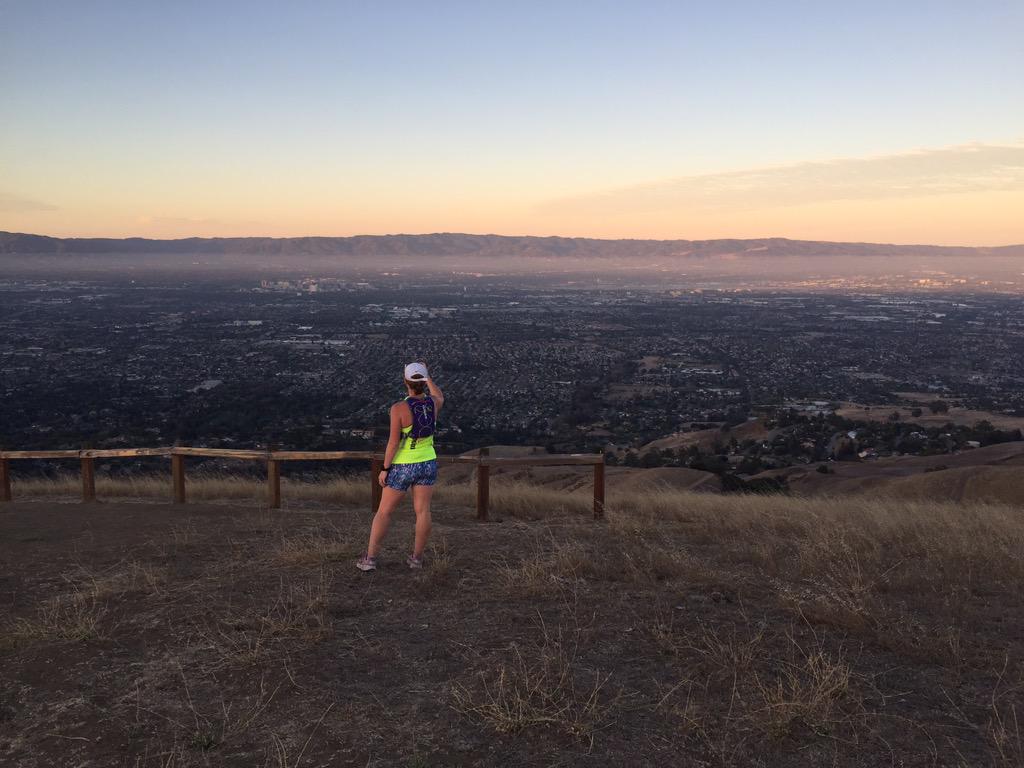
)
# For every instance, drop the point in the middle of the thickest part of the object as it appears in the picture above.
(389, 499)
(421, 504)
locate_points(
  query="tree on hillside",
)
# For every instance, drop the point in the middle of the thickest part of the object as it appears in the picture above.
(651, 458)
(750, 465)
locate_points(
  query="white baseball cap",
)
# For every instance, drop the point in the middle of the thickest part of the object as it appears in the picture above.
(416, 372)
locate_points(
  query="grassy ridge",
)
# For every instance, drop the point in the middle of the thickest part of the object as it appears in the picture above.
(685, 629)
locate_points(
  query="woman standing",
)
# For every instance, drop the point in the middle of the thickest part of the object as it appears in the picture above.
(409, 462)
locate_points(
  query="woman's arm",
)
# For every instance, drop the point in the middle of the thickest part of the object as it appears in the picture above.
(436, 393)
(394, 437)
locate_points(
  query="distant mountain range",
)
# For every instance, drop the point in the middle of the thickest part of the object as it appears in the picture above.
(481, 246)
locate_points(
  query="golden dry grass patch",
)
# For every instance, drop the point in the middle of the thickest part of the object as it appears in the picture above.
(539, 685)
(315, 548)
(67, 618)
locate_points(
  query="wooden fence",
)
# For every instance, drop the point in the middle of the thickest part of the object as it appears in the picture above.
(483, 462)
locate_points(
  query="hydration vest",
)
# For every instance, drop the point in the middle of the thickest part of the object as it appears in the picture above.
(423, 419)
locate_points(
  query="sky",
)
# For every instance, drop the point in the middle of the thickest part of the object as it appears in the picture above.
(872, 121)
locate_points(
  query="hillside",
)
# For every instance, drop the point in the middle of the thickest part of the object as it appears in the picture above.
(989, 474)
(686, 629)
(488, 246)
(707, 438)
(924, 417)
(624, 480)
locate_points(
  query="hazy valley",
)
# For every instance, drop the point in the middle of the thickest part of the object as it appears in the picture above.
(760, 263)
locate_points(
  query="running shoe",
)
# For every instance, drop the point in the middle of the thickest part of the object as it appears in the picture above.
(366, 563)
(416, 563)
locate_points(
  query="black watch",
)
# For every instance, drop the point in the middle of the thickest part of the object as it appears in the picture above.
(386, 469)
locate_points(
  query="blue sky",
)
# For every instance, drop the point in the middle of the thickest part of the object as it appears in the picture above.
(335, 118)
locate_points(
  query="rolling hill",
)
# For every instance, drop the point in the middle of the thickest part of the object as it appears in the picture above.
(989, 474)
(498, 246)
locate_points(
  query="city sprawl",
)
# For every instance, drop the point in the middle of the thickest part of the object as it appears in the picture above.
(315, 363)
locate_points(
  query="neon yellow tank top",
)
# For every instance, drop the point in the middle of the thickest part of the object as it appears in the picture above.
(424, 450)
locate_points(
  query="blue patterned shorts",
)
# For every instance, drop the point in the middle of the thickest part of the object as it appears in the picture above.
(402, 476)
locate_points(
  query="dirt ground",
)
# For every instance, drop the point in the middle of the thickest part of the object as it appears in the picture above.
(218, 635)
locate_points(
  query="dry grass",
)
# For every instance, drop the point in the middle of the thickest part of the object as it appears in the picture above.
(766, 529)
(68, 618)
(278, 754)
(539, 685)
(506, 498)
(1000, 729)
(808, 690)
(295, 616)
(299, 608)
(635, 558)
(205, 728)
(845, 560)
(847, 563)
(740, 630)
(440, 558)
(727, 649)
(438, 575)
(546, 569)
(1004, 736)
(77, 614)
(738, 686)
(201, 734)
(90, 585)
(315, 548)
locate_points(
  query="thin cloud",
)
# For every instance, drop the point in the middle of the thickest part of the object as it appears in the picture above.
(968, 168)
(13, 204)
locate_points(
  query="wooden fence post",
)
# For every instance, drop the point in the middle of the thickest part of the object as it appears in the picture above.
(178, 478)
(5, 480)
(274, 484)
(376, 467)
(88, 479)
(483, 485)
(599, 489)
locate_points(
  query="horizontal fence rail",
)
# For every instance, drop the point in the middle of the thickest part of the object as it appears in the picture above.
(483, 462)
